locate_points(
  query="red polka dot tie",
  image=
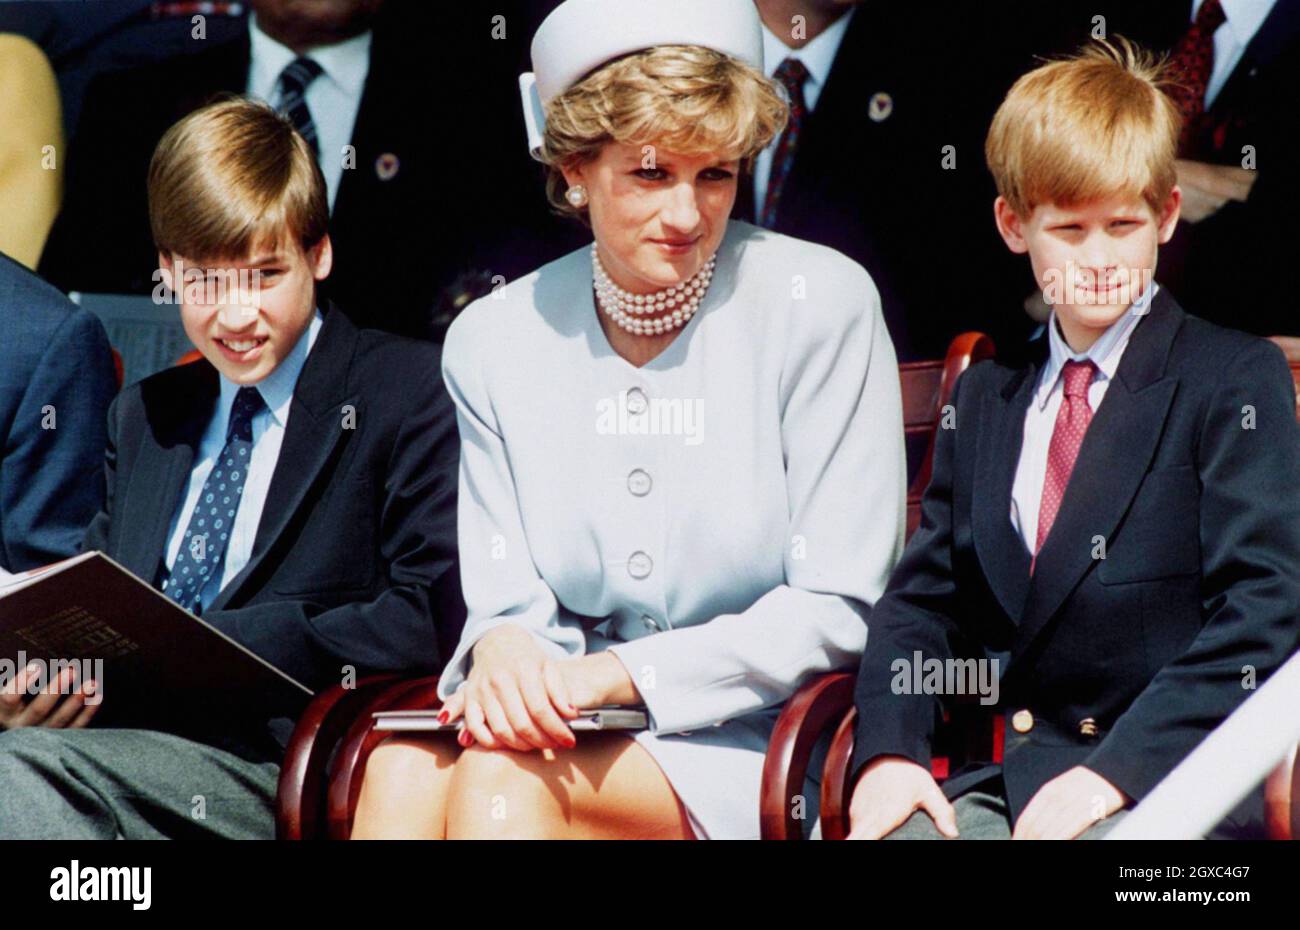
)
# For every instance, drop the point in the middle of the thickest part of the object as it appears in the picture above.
(1067, 436)
(1191, 64)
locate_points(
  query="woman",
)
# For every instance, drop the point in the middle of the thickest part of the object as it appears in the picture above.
(682, 472)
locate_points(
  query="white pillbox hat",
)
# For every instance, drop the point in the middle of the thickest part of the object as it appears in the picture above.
(581, 35)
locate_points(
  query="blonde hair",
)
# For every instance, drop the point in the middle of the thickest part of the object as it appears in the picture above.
(1087, 128)
(685, 98)
(231, 177)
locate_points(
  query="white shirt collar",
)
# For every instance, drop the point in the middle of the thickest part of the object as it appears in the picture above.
(1105, 353)
(1244, 17)
(818, 56)
(344, 63)
(277, 387)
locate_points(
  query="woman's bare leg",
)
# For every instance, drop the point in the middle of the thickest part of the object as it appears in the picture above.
(607, 787)
(404, 792)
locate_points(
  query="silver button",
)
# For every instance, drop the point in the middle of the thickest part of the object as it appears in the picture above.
(638, 482)
(636, 401)
(639, 564)
(650, 623)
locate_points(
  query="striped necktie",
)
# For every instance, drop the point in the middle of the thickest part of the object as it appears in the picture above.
(293, 83)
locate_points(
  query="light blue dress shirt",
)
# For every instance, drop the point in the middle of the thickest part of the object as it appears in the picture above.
(268, 435)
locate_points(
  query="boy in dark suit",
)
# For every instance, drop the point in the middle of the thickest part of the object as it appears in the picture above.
(296, 488)
(1116, 524)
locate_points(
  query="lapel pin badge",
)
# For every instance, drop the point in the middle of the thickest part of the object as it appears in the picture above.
(880, 106)
(386, 166)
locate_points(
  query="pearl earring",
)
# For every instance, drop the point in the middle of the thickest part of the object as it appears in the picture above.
(577, 196)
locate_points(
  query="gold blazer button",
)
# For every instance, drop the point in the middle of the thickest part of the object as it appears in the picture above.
(1022, 721)
(1088, 727)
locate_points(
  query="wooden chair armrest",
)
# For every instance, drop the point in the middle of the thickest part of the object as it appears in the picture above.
(815, 706)
(837, 791)
(965, 350)
(300, 797)
(349, 765)
(1281, 794)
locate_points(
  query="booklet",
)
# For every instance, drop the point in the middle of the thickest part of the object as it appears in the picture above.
(599, 718)
(152, 661)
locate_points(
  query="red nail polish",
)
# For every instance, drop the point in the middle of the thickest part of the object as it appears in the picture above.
(442, 717)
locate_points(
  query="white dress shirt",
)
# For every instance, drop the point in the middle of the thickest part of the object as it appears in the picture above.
(333, 98)
(1040, 418)
(268, 434)
(1244, 17)
(818, 56)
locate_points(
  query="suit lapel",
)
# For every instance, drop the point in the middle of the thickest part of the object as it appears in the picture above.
(1113, 460)
(315, 431)
(999, 547)
(181, 412)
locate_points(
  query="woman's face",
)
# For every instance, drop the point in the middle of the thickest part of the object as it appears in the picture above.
(657, 216)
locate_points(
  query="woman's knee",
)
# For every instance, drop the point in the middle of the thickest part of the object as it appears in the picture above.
(497, 792)
(398, 764)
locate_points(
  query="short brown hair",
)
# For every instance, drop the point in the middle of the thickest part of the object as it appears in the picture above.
(1086, 128)
(231, 177)
(690, 99)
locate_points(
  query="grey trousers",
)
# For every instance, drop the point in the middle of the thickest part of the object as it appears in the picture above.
(131, 784)
(983, 815)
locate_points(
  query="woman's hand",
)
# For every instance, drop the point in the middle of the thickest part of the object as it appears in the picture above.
(517, 697)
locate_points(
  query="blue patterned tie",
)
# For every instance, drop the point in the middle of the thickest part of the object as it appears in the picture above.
(293, 83)
(203, 549)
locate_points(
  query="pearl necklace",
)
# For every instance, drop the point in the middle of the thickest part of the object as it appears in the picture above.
(672, 308)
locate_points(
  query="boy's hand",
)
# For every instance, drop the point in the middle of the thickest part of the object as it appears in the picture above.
(1067, 805)
(890, 789)
(55, 706)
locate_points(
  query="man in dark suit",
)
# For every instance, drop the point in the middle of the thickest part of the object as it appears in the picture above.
(1114, 527)
(56, 383)
(887, 164)
(436, 191)
(296, 488)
